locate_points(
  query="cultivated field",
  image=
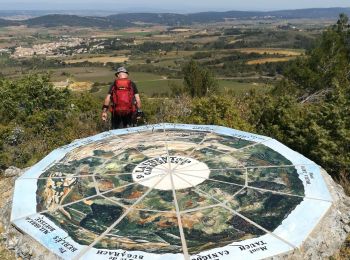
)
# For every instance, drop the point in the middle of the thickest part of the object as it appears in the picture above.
(163, 86)
(74, 86)
(269, 51)
(156, 54)
(103, 59)
(269, 60)
(80, 86)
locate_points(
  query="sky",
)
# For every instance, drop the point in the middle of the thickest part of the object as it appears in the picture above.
(184, 6)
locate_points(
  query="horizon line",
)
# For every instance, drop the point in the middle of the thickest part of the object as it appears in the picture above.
(166, 10)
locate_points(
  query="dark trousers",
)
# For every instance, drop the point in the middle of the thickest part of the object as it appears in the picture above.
(122, 121)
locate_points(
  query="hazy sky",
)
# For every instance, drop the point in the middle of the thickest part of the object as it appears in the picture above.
(167, 5)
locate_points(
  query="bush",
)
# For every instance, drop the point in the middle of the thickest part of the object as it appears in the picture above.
(37, 118)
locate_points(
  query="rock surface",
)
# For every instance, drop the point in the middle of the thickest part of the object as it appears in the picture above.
(323, 242)
(23, 246)
(329, 235)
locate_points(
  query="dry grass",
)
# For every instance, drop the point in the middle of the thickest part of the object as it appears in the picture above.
(344, 252)
(104, 60)
(289, 55)
(234, 41)
(6, 254)
(6, 192)
(138, 42)
(80, 86)
(344, 181)
(285, 52)
(177, 54)
(181, 30)
(74, 86)
(204, 40)
(155, 28)
(269, 60)
(60, 84)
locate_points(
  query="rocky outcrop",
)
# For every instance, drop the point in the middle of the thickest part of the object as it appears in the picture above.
(23, 246)
(329, 235)
(324, 241)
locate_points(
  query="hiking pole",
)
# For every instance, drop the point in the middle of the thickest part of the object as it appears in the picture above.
(106, 124)
(141, 118)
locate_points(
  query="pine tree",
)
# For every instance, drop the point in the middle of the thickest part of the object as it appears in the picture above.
(198, 81)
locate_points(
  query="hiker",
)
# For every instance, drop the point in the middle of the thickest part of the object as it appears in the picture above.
(123, 101)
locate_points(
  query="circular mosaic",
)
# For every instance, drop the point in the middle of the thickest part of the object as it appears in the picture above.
(171, 192)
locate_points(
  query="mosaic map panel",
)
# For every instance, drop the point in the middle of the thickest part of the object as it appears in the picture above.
(171, 191)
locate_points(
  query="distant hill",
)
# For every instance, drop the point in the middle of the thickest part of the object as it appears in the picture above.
(4, 23)
(158, 18)
(75, 21)
(311, 13)
(205, 17)
(172, 19)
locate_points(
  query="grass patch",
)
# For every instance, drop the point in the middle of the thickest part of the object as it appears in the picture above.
(240, 87)
(179, 54)
(97, 74)
(272, 51)
(144, 76)
(136, 33)
(269, 60)
(6, 254)
(93, 74)
(103, 60)
(157, 87)
(80, 86)
(344, 252)
(166, 63)
(163, 86)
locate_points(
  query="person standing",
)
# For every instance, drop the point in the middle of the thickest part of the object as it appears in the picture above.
(123, 101)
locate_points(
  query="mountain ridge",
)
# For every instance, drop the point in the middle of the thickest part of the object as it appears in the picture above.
(122, 20)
